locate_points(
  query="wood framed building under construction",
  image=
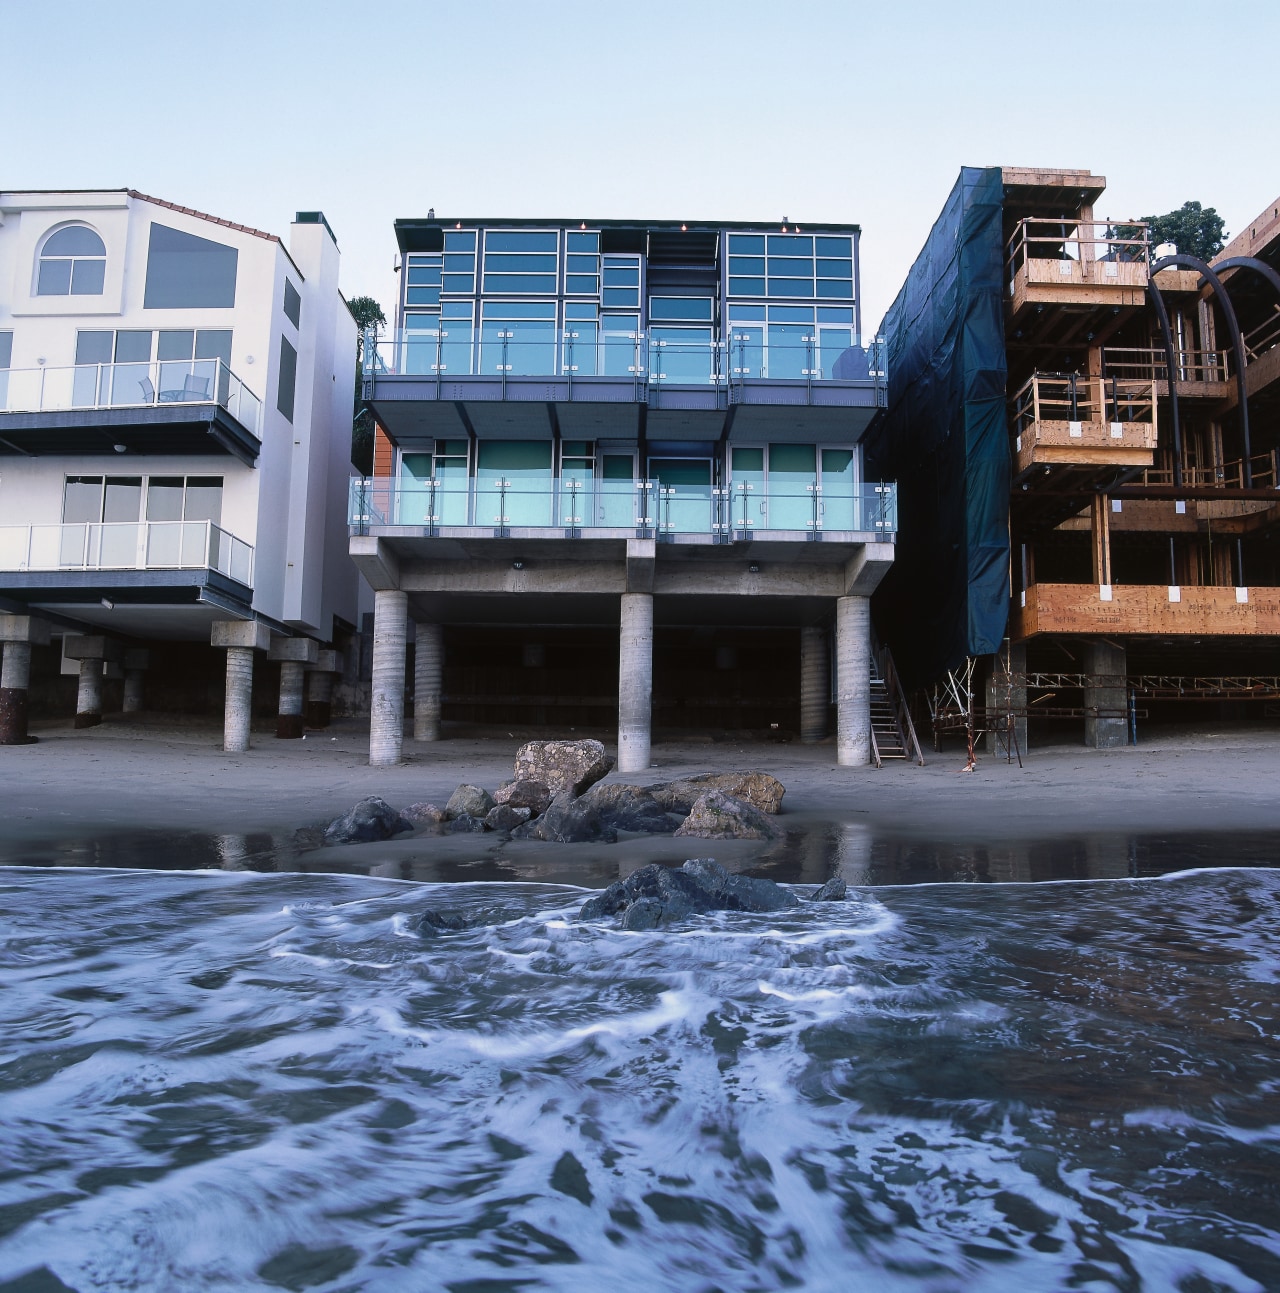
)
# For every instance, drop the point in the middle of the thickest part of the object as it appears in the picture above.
(1086, 432)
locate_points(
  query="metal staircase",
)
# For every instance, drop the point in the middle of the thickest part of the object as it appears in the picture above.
(893, 735)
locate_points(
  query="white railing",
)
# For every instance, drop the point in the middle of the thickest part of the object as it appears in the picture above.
(126, 545)
(114, 386)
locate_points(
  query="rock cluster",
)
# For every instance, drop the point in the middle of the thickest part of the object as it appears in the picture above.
(557, 795)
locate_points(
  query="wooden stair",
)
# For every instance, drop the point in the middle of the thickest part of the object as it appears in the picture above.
(893, 735)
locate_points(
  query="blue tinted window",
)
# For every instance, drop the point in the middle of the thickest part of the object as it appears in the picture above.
(621, 296)
(746, 287)
(460, 283)
(506, 240)
(789, 266)
(835, 268)
(791, 287)
(841, 288)
(621, 276)
(579, 310)
(627, 323)
(461, 240)
(526, 264)
(835, 246)
(836, 314)
(87, 277)
(519, 310)
(75, 240)
(422, 296)
(542, 283)
(744, 313)
(790, 314)
(680, 307)
(746, 264)
(790, 244)
(421, 276)
(746, 244)
(583, 284)
(582, 264)
(583, 241)
(456, 309)
(288, 377)
(418, 322)
(459, 264)
(185, 272)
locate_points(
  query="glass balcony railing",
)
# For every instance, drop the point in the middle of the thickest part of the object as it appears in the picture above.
(127, 545)
(661, 356)
(165, 382)
(664, 511)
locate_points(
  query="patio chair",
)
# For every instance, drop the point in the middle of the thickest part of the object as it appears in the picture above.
(148, 390)
(195, 387)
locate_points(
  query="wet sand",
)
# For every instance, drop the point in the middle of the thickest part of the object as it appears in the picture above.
(154, 774)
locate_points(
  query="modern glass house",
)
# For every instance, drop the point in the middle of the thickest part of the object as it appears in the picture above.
(568, 392)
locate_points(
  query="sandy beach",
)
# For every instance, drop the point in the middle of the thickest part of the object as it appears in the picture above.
(151, 774)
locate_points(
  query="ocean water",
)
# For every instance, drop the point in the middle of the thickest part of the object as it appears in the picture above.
(236, 1081)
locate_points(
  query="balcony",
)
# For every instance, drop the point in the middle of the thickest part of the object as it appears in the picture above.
(126, 546)
(443, 381)
(1204, 374)
(1148, 610)
(500, 508)
(1088, 269)
(170, 406)
(1068, 427)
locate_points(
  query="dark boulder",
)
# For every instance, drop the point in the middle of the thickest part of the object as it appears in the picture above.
(526, 793)
(732, 892)
(631, 808)
(438, 922)
(502, 817)
(420, 815)
(464, 824)
(833, 891)
(759, 789)
(566, 821)
(371, 819)
(655, 895)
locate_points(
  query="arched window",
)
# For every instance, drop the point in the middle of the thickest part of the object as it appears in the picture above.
(73, 262)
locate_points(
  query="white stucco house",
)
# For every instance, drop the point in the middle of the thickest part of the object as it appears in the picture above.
(175, 412)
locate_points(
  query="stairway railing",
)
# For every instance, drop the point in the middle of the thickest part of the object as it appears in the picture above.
(897, 699)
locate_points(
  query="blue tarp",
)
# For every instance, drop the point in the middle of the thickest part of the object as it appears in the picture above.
(944, 439)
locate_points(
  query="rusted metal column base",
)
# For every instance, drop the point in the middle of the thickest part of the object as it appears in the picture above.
(319, 713)
(13, 717)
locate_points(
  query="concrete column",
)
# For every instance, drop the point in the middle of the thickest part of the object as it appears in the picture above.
(18, 633)
(853, 681)
(428, 665)
(635, 682)
(241, 638)
(135, 669)
(1106, 689)
(386, 710)
(294, 655)
(89, 693)
(815, 685)
(320, 688)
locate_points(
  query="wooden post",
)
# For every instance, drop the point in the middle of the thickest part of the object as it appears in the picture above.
(1100, 532)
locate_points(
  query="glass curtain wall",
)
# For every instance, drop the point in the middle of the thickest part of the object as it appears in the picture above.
(513, 483)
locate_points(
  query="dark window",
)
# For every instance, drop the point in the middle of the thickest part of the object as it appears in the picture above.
(288, 378)
(214, 343)
(292, 304)
(6, 349)
(94, 347)
(185, 272)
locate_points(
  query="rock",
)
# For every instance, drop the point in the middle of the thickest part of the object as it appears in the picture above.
(631, 808)
(463, 824)
(759, 789)
(371, 819)
(719, 816)
(420, 815)
(566, 821)
(737, 892)
(833, 891)
(525, 793)
(563, 765)
(437, 922)
(470, 800)
(655, 895)
(502, 817)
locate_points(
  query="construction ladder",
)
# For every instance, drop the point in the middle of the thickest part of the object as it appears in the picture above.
(893, 735)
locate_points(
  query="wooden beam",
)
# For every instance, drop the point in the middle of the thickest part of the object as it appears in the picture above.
(1146, 610)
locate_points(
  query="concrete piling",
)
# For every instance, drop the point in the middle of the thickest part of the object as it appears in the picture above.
(135, 669)
(815, 685)
(320, 676)
(853, 681)
(386, 711)
(295, 655)
(635, 682)
(18, 634)
(1106, 689)
(428, 665)
(241, 638)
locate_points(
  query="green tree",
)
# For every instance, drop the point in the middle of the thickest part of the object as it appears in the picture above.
(368, 315)
(1193, 229)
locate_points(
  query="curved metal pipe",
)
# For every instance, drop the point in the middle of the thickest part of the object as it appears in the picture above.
(1171, 366)
(1253, 263)
(1237, 342)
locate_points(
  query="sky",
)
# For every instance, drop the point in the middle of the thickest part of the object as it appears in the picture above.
(677, 109)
